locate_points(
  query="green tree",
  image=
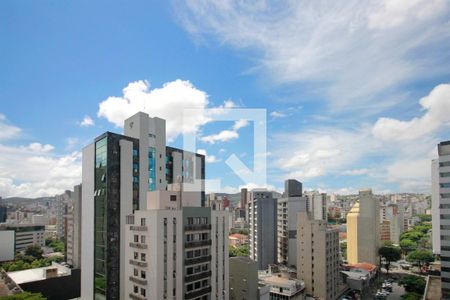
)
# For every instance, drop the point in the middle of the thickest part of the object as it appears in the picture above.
(390, 253)
(34, 250)
(412, 296)
(420, 257)
(407, 245)
(424, 218)
(413, 284)
(24, 296)
(412, 235)
(343, 247)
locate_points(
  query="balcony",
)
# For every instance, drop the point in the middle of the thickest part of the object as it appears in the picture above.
(197, 293)
(138, 280)
(137, 297)
(194, 244)
(138, 228)
(197, 260)
(138, 245)
(138, 263)
(196, 227)
(198, 276)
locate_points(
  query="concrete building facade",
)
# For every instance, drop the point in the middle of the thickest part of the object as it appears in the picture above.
(288, 207)
(120, 175)
(435, 210)
(318, 257)
(444, 205)
(262, 215)
(243, 278)
(74, 223)
(363, 230)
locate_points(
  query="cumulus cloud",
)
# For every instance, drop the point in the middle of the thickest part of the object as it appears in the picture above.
(168, 102)
(436, 107)
(87, 121)
(34, 170)
(277, 114)
(223, 136)
(8, 131)
(208, 158)
(353, 51)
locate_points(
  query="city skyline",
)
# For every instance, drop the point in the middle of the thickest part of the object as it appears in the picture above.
(334, 123)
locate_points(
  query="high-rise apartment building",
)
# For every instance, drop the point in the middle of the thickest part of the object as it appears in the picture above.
(363, 229)
(317, 205)
(262, 215)
(243, 278)
(288, 206)
(318, 257)
(444, 205)
(391, 215)
(118, 173)
(61, 213)
(74, 223)
(176, 252)
(244, 198)
(435, 210)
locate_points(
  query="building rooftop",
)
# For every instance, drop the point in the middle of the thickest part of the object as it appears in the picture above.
(364, 266)
(37, 274)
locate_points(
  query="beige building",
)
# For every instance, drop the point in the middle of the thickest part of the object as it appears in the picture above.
(363, 230)
(318, 257)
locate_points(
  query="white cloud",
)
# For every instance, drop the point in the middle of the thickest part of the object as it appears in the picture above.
(277, 114)
(168, 102)
(34, 170)
(240, 124)
(223, 136)
(353, 51)
(437, 113)
(208, 158)
(392, 13)
(8, 131)
(87, 121)
(356, 172)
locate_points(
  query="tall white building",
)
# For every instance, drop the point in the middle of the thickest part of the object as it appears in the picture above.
(177, 252)
(120, 173)
(74, 223)
(318, 257)
(435, 211)
(262, 218)
(317, 205)
(393, 213)
(444, 204)
(288, 207)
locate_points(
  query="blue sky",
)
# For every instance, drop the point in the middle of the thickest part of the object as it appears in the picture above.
(357, 93)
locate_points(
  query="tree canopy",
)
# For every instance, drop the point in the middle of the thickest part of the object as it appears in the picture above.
(413, 284)
(390, 253)
(24, 296)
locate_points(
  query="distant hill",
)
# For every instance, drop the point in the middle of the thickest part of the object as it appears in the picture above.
(19, 200)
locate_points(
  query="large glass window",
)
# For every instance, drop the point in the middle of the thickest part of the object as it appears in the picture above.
(151, 169)
(100, 218)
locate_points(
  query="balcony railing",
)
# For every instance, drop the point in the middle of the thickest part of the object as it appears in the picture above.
(138, 245)
(138, 280)
(198, 276)
(138, 263)
(194, 227)
(194, 244)
(138, 228)
(198, 293)
(197, 260)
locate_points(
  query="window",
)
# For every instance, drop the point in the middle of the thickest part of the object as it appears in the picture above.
(143, 274)
(446, 195)
(136, 238)
(445, 185)
(142, 221)
(445, 174)
(142, 256)
(143, 239)
(143, 292)
(444, 206)
(444, 164)
(136, 255)
(173, 197)
(136, 272)
(136, 289)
